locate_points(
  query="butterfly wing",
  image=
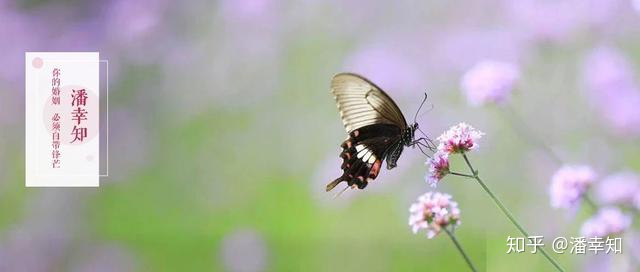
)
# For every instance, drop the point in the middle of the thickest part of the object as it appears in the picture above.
(362, 103)
(363, 152)
(375, 125)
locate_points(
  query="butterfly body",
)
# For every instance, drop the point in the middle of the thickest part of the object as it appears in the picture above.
(377, 130)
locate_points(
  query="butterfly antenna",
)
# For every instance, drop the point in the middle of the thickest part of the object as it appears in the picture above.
(415, 117)
(340, 193)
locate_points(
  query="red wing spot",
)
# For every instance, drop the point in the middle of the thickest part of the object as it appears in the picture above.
(375, 169)
(348, 144)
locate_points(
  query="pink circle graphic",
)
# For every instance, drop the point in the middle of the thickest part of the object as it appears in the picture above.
(37, 62)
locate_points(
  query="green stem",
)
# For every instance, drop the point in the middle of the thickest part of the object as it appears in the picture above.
(507, 212)
(461, 175)
(464, 255)
(516, 123)
(590, 203)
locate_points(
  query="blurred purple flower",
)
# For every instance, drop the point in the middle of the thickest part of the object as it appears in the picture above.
(569, 184)
(600, 12)
(388, 66)
(489, 81)
(251, 29)
(457, 49)
(609, 77)
(459, 139)
(246, 44)
(622, 112)
(24, 35)
(559, 21)
(132, 27)
(45, 27)
(608, 221)
(41, 240)
(618, 189)
(546, 20)
(130, 22)
(438, 168)
(244, 250)
(606, 71)
(249, 13)
(432, 212)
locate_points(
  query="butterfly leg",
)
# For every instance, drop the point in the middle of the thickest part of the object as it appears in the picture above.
(419, 145)
(425, 142)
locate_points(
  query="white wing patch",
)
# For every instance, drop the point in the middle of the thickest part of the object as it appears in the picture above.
(372, 159)
(365, 154)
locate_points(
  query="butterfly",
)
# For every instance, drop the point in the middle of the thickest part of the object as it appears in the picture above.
(377, 130)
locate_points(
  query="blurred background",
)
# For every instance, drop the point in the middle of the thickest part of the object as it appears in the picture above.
(224, 134)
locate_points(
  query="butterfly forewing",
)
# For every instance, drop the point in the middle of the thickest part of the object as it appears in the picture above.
(362, 103)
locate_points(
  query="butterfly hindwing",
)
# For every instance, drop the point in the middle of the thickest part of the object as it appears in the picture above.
(363, 152)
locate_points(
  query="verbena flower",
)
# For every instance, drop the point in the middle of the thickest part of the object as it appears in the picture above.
(569, 184)
(614, 92)
(606, 70)
(459, 139)
(608, 221)
(489, 82)
(432, 212)
(389, 65)
(438, 167)
(621, 111)
(621, 188)
(543, 21)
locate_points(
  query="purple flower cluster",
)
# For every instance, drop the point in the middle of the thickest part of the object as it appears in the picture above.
(558, 21)
(489, 81)
(608, 221)
(619, 189)
(459, 139)
(432, 212)
(569, 184)
(545, 20)
(438, 168)
(389, 66)
(614, 92)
